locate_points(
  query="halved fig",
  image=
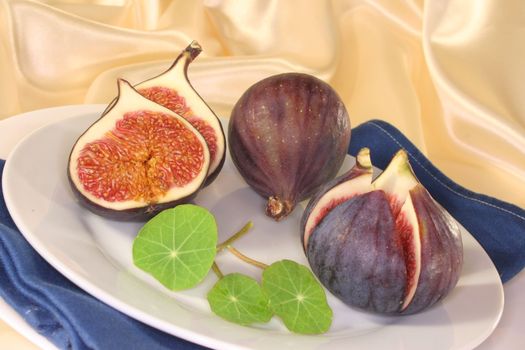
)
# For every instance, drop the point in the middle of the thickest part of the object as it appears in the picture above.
(385, 246)
(173, 90)
(137, 159)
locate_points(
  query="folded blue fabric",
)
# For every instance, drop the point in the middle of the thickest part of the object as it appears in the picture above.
(498, 226)
(71, 318)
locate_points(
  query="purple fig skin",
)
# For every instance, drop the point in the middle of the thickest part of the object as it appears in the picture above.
(393, 250)
(355, 254)
(357, 170)
(288, 134)
(441, 251)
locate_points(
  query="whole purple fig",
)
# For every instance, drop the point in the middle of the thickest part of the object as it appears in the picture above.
(288, 134)
(384, 246)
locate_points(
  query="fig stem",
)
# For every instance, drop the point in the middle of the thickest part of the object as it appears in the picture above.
(235, 236)
(278, 208)
(193, 50)
(217, 270)
(246, 259)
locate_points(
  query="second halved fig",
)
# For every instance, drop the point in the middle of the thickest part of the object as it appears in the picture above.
(172, 89)
(385, 245)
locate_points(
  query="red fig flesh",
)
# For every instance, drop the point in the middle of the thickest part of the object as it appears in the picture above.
(137, 159)
(288, 134)
(173, 90)
(385, 246)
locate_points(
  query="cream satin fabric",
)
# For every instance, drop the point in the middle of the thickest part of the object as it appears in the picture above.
(449, 74)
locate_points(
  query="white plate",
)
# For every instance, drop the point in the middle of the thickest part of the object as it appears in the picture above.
(95, 253)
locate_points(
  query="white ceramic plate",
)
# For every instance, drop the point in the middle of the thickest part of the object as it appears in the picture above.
(95, 253)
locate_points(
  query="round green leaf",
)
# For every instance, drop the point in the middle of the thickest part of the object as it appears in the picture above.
(296, 297)
(177, 246)
(239, 299)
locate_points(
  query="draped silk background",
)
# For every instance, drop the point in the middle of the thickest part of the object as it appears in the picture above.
(449, 74)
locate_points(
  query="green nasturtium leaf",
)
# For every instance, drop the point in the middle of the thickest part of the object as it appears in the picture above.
(296, 297)
(177, 246)
(239, 299)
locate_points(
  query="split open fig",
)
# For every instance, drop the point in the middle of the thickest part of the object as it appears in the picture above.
(173, 90)
(386, 245)
(288, 134)
(137, 159)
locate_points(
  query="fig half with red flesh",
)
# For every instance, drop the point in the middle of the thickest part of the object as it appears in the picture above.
(288, 134)
(385, 245)
(173, 90)
(137, 159)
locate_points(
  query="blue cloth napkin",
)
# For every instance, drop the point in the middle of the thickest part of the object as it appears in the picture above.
(71, 318)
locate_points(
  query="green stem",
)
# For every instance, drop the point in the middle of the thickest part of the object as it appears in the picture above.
(246, 259)
(217, 271)
(235, 237)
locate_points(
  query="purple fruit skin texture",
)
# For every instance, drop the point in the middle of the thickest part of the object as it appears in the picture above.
(354, 172)
(288, 134)
(441, 251)
(354, 254)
